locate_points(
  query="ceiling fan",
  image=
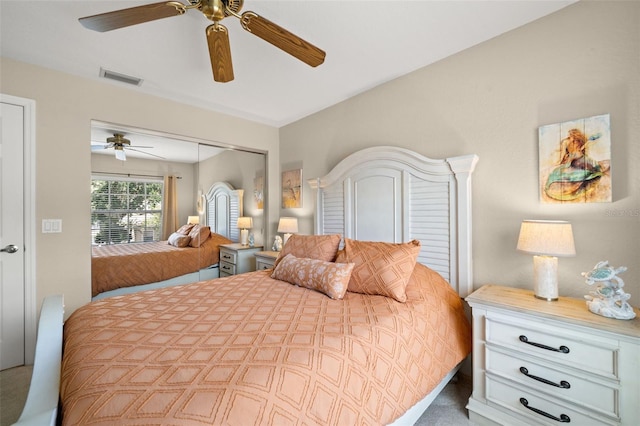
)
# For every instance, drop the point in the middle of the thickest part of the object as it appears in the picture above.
(120, 144)
(217, 34)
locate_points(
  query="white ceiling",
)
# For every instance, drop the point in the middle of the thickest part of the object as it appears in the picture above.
(367, 43)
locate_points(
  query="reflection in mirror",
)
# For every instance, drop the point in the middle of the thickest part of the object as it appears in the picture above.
(126, 213)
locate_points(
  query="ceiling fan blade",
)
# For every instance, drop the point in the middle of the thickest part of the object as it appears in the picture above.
(220, 53)
(147, 153)
(132, 16)
(95, 147)
(282, 39)
(120, 155)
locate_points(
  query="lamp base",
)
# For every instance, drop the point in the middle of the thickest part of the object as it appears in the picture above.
(545, 277)
(244, 237)
(286, 237)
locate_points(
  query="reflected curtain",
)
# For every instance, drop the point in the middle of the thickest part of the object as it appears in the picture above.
(169, 207)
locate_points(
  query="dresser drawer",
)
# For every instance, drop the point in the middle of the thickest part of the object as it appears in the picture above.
(261, 265)
(554, 343)
(227, 268)
(559, 382)
(539, 409)
(228, 256)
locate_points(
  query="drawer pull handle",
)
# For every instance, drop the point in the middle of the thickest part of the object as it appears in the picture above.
(563, 383)
(562, 419)
(226, 256)
(563, 349)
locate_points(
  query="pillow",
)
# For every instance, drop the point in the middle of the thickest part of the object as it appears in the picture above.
(185, 229)
(380, 268)
(329, 278)
(198, 235)
(320, 247)
(179, 240)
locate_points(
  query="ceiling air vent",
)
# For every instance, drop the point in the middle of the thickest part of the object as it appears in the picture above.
(122, 78)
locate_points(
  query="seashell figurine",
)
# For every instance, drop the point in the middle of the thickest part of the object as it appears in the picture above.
(608, 299)
(277, 243)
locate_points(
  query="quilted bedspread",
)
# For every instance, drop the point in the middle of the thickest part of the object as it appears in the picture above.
(251, 350)
(124, 265)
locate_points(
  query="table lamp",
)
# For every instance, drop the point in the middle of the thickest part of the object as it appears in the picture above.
(546, 240)
(193, 220)
(244, 223)
(288, 226)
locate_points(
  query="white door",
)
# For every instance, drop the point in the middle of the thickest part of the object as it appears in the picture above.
(12, 260)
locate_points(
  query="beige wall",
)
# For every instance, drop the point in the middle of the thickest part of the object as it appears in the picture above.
(490, 100)
(65, 106)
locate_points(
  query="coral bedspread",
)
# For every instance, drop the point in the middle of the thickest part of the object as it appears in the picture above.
(249, 349)
(125, 265)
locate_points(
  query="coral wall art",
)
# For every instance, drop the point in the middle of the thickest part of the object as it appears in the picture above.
(575, 161)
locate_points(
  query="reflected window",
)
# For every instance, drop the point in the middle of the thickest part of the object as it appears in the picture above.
(125, 211)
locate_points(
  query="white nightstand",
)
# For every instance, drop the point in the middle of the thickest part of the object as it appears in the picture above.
(237, 259)
(266, 259)
(539, 362)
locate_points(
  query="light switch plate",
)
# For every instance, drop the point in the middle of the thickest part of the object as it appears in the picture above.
(51, 226)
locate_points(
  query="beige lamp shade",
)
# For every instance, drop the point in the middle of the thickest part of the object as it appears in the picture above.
(546, 237)
(245, 222)
(288, 225)
(193, 220)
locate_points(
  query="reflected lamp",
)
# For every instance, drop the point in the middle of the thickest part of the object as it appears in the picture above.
(245, 223)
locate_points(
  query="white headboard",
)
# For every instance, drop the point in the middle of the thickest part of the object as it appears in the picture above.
(395, 195)
(223, 208)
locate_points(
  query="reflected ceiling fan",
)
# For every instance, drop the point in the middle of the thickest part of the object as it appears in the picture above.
(217, 34)
(120, 144)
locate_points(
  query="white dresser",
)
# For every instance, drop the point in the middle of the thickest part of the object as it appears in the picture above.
(237, 259)
(538, 362)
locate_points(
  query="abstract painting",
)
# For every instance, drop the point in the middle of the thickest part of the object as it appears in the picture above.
(292, 189)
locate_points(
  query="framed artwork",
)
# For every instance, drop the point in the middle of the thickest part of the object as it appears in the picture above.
(292, 189)
(575, 161)
(258, 192)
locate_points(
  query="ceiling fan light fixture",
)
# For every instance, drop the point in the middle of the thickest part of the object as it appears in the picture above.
(122, 78)
(120, 155)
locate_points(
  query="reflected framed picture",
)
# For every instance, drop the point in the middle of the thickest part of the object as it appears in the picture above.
(292, 189)
(575, 161)
(258, 192)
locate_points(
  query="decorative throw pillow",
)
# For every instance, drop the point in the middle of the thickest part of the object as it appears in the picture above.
(185, 229)
(329, 278)
(320, 247)
(198, 235)
(179, 240)
(380, 268)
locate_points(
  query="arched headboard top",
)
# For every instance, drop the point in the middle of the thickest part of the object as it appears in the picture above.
(393, 194)
(223, 208)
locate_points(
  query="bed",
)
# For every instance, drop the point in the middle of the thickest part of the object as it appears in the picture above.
(126, 268)
(256, 349)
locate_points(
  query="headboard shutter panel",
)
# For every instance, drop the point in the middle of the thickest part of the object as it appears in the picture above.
(396, 195)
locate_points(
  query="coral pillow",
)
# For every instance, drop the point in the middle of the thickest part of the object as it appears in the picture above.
(185, 229)
(380, 268)
(329, 278)
(179, 240)
(320, 247)
(198, 235)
